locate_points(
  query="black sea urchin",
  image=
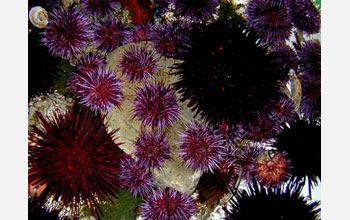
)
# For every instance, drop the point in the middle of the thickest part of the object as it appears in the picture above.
(78, 159)
(168, 204)
(196, 9)
(273, 204)
(302, 142)
(67, 32)
(223, 62)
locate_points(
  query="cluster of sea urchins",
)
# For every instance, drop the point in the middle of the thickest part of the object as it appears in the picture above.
(76, 158)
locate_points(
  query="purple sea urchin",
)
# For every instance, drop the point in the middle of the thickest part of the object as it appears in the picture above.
(310, 58)
(285, 57)
(168, 38)
(138, 63)
(99, 89)
(302, 142)
(305, 16)
(89, 62)
(269, 203)
(75, 155)
(270, 20)
(201, 147)
(283, 110)
(272, 169)
(136, 177)
(67, 32)
(100, 7)
(142, 32)
(247, 159)
(196, 9)
(218, 65)
(152, 149)
(109, 34)
(156, 105)
(310, 104)
(168, 204)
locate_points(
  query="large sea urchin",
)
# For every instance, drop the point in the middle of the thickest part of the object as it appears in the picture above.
(138, 63)
(136, 177)
(67, 33)
(273, 204)
(76, 157)
(109, 34)
(305, 16)
(270, 20)
(223, 62)
(168, 204)
(152, 149)
(201, 148)
(99, 89)
(156, 105)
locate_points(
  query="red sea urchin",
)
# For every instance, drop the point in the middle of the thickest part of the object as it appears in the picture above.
(109, 34)
(156, 105)
(152, 149)
(100, 7)
(168, 204)
(78, 159)
(138, 63)
(67, 33)
(201, 147)
(270, 20)
(99, 89)
(136, 177)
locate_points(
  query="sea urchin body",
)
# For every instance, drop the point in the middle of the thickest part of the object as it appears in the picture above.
(168, 204)
(156, 105)
(67, 32)
(76, 157)
(201, 148)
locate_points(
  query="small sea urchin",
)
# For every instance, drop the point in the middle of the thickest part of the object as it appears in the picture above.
(305, 16)
(142, 32)
(196, 9)
(77, 158)
(99, 89)
(156, 105)
(270, 20)
(247, 159)
(201, 147)
(138, 63)
(99, 8)
(109, 33)
(67, 33)
(310, 58)
(152, 149)
(136, 177)
(273, 204)
(168, 204)
(89, 62)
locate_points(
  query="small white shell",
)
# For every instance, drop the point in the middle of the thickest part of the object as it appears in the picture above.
(38, 16)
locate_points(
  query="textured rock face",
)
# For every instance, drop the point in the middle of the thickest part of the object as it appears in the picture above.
(174, 173)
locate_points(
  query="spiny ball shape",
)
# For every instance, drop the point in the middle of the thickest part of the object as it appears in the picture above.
(220, 63)
(310, 104)
(168, 204)
(272, 169)
(152, 149)
(270, 20)
(156, 105)
(305, 16)
(283, 110)
(78, 159)
(247, 159)
(201, 147)
(136, 177)
(273, 204)
(310, 58)
(89, 62)
(67, 33)
(99, 8)
(138, 63)
(285, 57)
(196, 9)
(168, 38)
(109, 34)
(302, 141)
(142, 32)
(99, 89)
